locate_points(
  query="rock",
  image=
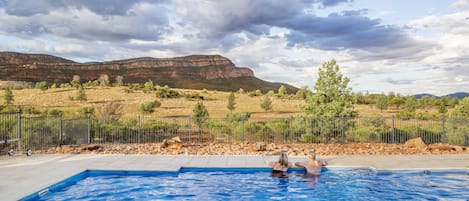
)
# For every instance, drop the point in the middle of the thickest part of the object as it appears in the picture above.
(91, 147)
(174, 142)
(458, 148)
(416, 143)
(442, 147)
(260, 146)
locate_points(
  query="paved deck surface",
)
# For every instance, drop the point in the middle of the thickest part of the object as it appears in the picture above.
(21, 175)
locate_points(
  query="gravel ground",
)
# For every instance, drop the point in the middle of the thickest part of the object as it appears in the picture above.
(293, 149)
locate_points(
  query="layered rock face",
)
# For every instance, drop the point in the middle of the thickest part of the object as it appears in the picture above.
(37, 67)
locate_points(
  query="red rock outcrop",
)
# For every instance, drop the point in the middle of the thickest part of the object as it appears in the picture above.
(196, 71)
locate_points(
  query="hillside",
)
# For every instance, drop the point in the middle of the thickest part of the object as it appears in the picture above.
(212, 72)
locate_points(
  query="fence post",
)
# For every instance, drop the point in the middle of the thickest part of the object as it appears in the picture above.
(18, 119)
(243, 138)
(343, 128)
(190, 129)
(89, 128)
(138, 129)
(291, 131)
(393, 130)
(60, 129)
(443, 133)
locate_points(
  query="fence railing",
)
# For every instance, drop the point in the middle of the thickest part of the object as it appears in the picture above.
(23, 132)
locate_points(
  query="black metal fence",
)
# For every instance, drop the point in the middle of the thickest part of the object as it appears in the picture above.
(23, 132)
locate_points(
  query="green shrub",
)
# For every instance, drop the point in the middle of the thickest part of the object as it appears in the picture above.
(149, 107)
(166, 92)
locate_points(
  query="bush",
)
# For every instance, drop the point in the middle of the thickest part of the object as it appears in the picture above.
(457, 131)
(110, 112)
(398, 136)
(31, 110)
(194, 96)
(43, 86)
(149, 107)
(84, 111)
(242, 116)
(166, 92)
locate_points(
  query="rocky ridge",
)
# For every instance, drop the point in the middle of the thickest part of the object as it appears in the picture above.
(195, 71)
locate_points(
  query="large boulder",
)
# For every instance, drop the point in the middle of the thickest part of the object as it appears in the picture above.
(416, 143)
(174, 142)
(260, 146)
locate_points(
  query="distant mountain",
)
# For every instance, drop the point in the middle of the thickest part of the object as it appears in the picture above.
(212, 72)
(459, 95)
(418, 96)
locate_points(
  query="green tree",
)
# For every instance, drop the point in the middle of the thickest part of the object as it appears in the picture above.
(282, 91)
(397, 101)
(43, 86)
(231, 102)
(200, 115)
(462, 108)
(266, 104)
(8, 96)
(81, 95)
(303, 93)
(410, 104)
(382, 102)
(442, 107)
(333, 97)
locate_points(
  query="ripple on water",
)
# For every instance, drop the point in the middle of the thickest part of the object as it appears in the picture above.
(340, 184)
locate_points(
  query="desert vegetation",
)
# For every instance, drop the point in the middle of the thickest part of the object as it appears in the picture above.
(329, 113)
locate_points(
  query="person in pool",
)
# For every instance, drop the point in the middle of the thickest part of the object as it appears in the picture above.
(313, 167)
(280, 168)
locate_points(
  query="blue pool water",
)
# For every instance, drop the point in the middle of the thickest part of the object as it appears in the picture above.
(257, 184)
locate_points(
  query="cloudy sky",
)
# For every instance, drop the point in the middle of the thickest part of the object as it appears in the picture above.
(387, 45)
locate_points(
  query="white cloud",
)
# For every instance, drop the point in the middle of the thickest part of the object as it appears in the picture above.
(460, 5)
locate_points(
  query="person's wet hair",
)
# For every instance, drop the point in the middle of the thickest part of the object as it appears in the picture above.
(283, 160)
(312, 154)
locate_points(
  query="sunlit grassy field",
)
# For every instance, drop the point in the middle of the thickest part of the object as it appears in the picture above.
(215, 102)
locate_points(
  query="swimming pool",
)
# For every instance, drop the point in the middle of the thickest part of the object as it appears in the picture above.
(257, 184)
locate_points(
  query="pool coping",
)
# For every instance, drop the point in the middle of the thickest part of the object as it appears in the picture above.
(42, 171)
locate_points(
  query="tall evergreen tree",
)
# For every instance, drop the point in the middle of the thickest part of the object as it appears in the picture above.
(332, 95)
(8, 96)
(231, 102)
(81, 95)
(266, 104)
(200, 115)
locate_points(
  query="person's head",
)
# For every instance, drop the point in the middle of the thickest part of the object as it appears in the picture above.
(283, 160)
(312, 155)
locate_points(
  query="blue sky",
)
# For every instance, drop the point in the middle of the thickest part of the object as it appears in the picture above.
(408, 47)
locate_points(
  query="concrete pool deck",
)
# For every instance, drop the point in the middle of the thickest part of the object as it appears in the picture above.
(20, 175)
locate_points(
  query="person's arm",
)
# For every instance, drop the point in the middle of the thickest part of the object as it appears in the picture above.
(290, 165)
(271, 164)
(324, 163)
(299, 164)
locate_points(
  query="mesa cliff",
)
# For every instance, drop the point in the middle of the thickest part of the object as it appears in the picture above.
(212, 72)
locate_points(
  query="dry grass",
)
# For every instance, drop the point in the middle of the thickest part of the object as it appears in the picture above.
(215, 101)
